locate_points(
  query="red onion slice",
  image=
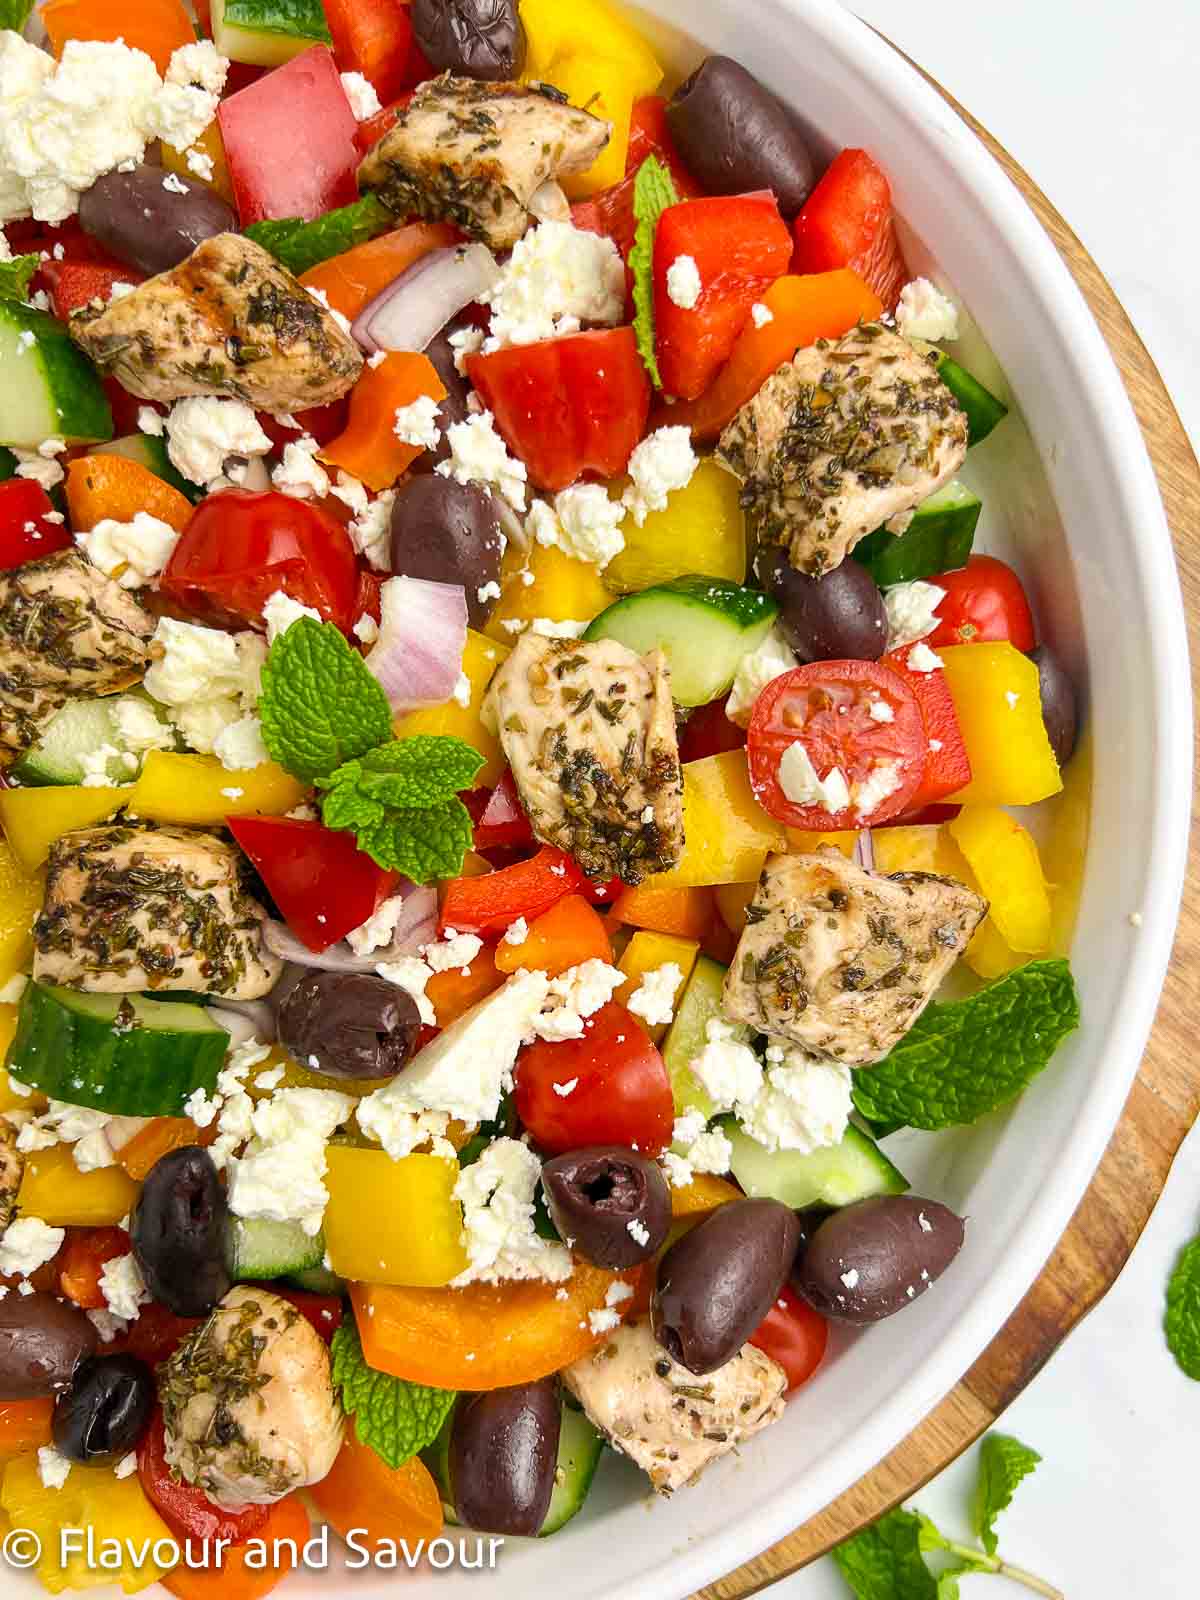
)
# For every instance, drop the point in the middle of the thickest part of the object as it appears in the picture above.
(864, 850)
(416, 306)
(417, 657)
(416, 925)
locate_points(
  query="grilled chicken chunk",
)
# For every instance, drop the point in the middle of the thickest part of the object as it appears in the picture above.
(227, 321)
(482, 155)
(12, 1166)
(589, 731)
(842, 961)
(65, 629)
(852, 434)
(150, 908)
(665, 1419)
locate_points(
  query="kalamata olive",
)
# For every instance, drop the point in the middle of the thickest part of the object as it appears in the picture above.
(178, 1232)
(503, 1453)
(453, 408)
(150, 218)
(716, 1283)
(1060, 708)
(103, 1411)
(612, 1203)
(736, 136)
(449, 532)
(473, 38)
(875, 1257)
(837, 617)
(350, 1025)
(42, 1341)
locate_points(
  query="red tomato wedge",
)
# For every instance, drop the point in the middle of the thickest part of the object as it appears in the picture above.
(947, 767)
(794, 1335)
(984, 603)
(323, 884)
(847, 222)
(833, 708)
(25, 535)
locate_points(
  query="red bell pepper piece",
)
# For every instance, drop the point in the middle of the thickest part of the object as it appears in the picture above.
(323, 884)
(740, 245)
(74, 284)
(289, 141)
(372, 129)
(567, 406)
(611, 211)
(375, 37)
(153, 1335)
(503, 820)
(82, 1260)
(25, 534)
(947, 769)
(490, 904)
(847, 222)
(186, 1510)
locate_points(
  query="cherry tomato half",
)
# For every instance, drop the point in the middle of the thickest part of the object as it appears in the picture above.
(793, 1334)
(827, 706)
(984, 602)
(188, 1511)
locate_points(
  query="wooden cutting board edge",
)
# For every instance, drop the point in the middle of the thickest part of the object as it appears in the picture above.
(1165, 1097)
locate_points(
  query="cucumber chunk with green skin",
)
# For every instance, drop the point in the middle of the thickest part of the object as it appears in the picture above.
(8, 465)
(48, 387)
(687, 1036)
(938, 539)
(79, 728)
(840, 1174)
(704, 626)
(149, 451)
(983, 409)
(318, 1280)
(266, 33)
(257, 1247)
(121, 1053)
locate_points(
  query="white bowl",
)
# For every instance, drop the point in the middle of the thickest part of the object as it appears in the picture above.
(1071, 498)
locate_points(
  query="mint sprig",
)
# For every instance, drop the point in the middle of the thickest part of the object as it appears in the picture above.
(884, 1562)
(653, 191)
(1003, 1462)
(1182, 1320)
(319, 705)
(394, 1417)
(964, 1058)
(299, 245)
(15, 276)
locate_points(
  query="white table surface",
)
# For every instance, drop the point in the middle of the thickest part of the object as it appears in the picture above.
(1097, 99)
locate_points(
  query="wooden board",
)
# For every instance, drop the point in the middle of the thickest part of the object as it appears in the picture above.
(1165, 1097)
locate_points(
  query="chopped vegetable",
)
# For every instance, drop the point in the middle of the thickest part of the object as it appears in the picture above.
(301, 245)
(847, 222)
(370, 449)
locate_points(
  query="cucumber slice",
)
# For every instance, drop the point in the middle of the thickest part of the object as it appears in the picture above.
(984, 410)
(704, 625)
(318, 1280)
(256, 1247)
(8, 465)
(938, 539)
(149, 451)
(580, 1447)
(79, 728)
(49, 389)
(701, 1002)
(839, 1175)
(121, 1053)
(266, 33)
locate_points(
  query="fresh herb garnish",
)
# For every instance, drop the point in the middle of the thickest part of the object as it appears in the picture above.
(299, 245)
(1003, 1462)
(14, 14)
(394, 1417)
(653, 191)
(1182, 1321)
(320, 706)
(15, 275)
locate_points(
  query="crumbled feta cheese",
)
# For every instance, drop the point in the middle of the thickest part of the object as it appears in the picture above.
(240, 746)
(364, 102)
(379, 928)
(562, 1090)
(497, 1196)
(417, 423)
(208, 678)
(366, 629)
(455, 950)
(371, 531)
(32, 464)
(884, 779)
(138, 727)
(803, 1104)
(549, 628)
(638, 1231)
(911, 611)
(756, 670)
(465, 342)
(922, 659)
(517, 932)
(678, 1171)
(123, 1287)
(299, 473)
(322, 299)
(575, 995)
(271, 1079)
(280, 611)
(97, 767)
(689, 1127)
(27, 1244)
(603, 1321)
(201, 64)
(127, 1466)
(761, 314)
(106, 1325)
(200, 164)
(654, 998)
(179, 114)
(584, 523)
(557, 278)
(662, 463)
(479, 455)
(53, 1467)
(350, 492)
(200, 1108)
(133, 553)
(924, 312)
(880, 711)
(726, 1069)
(280, 1174)
(683, 282)
(802, 785)
(711, 1152)
(411, 974)
(174, 184)
(203, 431)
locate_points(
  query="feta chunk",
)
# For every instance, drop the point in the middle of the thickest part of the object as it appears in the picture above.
(416, 424)
(727, 1069)
(557, 278)
(364, 102)
(371, 531)
(801, 784)
(300, 474)
(922, 659)
(662, 463)
(803, 1104)
(756, 670)
(134, 553)
(123, 1287)
(204, 431)
(280, 1175)
(911, 611)
(479, 455)
(583, 522)
(924, 312)
(27, 1244)
(497, 1196)
(683, 282)
(53, 1467)
(654, 998)
(280, 611)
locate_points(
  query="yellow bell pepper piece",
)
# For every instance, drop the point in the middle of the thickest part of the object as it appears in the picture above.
(802, 841)
(591, 27)
(732, 900)
(296, 1076)
(705, 1193)
(33, 818)
(563, 589)
(702, 529)
(10, 1100)
(480, 659)
(727, 834)
(393, 1221)
(209, 144)
(601, 86)
(999, 707)
(53, 1188)
(93, 1508)
(1005, 861)
(197, 791)
(644, 953)
(20, 900)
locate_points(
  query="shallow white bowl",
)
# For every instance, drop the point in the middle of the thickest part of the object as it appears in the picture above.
(1071, 498)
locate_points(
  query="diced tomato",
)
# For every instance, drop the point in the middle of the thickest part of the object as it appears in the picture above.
(81, 1262)
(324, 1312)
(567, 406)
(621, 1090)
(503, 820)
(709, 732)
(240, 546)
(323, 884)
(947, 768)
(794, 1335)
(188, 1512)
(289, 141)
(74, 284)
(491, 903)
(984, 602)
(25, 534)
(375, 37)
(322, 422)
(847, 222)
(826, 707)
(372, 129)
(611, 211)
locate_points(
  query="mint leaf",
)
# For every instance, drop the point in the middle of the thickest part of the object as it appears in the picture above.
(947, 1584)
(421, 844)
(1003, 1462)
(884, 1562)
(299, 245)
(965, 1058)
(319, 705)
(15, 275)
(394, 1417)
(653, 191)
(1182, 1321)
(418, 771)
(14, 14)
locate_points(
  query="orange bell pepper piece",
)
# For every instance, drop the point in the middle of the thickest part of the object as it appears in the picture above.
(24, 1425)
(114, 486)
(687, 912)
(823, 305)
(157, 1139)
(283, 1534)
(515, 1332)
(361, 1491)
(705, 1193)
(569, 933)
(158, 27)
(455, 991)
(355, 277)
(369, 448)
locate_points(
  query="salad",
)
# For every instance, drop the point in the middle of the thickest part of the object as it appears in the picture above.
(504, 735)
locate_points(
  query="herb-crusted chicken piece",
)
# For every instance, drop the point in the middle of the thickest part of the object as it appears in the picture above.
(482, 155)
(227, 321)
(843, 961)
(665, 1419)
(128, 909)
(850, 435)
(589, 731)
(65, 629)
(12, 1166)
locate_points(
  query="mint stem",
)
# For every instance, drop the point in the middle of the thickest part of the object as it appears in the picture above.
(1004, 1569)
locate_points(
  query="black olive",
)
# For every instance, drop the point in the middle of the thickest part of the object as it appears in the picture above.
(103, 1413)
(178, 1232)
(503, 1454)
(473, 38)
(873, 1258)
(454, 408)
(614, 1205)
(350, 1025)
(42, 1341)
(837, 617)
(448, 532)
(151, 218)
(1060, 709)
